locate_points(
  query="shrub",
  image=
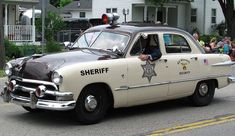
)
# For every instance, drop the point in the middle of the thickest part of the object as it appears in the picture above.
(207, 38)
(12, 51)
(27, 50)
(52, 46)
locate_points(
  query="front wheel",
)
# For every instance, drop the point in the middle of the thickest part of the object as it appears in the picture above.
(91, 105)
(203, 94)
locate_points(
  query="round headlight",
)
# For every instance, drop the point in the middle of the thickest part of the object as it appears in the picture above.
(56, 78)
(8, 69)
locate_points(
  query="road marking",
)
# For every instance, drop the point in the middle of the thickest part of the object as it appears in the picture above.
(190, 126)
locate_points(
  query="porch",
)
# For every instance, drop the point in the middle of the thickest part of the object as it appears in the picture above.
(14, 29)
(173, 13)
(20, 33)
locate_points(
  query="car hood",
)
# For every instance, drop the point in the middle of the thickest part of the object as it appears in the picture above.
(41, 68)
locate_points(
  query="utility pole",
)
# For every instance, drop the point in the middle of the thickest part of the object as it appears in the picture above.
(2, 49)
(43, 3)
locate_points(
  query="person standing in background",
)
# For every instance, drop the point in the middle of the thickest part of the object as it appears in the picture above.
(202, 43)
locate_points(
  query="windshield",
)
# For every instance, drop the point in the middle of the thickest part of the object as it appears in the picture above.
(103, 40)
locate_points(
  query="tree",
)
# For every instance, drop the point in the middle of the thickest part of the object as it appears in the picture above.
(60, 3)
(64, 2)
(227, 7)
(53, 24)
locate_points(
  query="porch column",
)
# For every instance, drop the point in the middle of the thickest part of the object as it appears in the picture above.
(166, 15)
(145, 13)
(156, 10)
(33, 24)
(5, 25)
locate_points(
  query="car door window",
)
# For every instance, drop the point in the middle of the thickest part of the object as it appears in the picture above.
(176, 44)
(143, 44)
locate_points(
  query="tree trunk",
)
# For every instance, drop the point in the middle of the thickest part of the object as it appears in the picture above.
(231, 28)
(2, 49)
(227, 7)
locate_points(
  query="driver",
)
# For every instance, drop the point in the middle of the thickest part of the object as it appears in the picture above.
(149, 52)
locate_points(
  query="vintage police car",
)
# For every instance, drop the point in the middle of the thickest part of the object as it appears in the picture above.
(103, 70)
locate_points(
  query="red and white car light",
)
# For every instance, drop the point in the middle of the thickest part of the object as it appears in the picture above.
(110, 18)
(40, 91)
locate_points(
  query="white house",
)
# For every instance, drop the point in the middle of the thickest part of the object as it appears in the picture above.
(205, 14)
(185, 14)
(13, 30)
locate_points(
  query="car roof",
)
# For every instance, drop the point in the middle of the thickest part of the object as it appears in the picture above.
(135, 28)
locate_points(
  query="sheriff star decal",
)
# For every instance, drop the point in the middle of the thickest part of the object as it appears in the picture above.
(148, 70)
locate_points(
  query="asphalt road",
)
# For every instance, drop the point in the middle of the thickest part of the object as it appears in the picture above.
(174, 118)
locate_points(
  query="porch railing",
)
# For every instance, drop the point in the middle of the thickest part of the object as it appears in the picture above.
(20, 33)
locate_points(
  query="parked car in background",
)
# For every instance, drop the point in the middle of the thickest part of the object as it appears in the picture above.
(103, 70)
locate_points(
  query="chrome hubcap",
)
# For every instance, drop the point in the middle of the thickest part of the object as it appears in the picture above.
(203, 89)
(90, 103)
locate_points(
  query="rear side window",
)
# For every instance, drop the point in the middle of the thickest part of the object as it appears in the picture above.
(176, 44)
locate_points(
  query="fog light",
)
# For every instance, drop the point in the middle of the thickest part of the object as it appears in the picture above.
(11, 85)
(40, 91)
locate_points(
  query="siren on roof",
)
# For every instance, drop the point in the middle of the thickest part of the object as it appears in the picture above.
(110, 18)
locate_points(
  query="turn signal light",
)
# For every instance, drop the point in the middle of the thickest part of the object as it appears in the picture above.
(40, 91)
(11, 85)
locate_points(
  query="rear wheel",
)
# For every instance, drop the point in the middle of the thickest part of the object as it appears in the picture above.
(203, 94)
(91, 105)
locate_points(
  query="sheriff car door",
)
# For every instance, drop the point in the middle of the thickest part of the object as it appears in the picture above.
(147, 80)
(182, 64)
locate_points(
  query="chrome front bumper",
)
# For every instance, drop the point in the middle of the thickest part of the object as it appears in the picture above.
(34, 102)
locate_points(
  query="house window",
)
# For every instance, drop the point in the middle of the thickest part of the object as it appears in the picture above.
(213, 16)
(111, 10)
(108, 10)
(82, 14)
(114, 10)
(193, 15)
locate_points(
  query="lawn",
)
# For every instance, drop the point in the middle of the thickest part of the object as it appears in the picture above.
(1, 73)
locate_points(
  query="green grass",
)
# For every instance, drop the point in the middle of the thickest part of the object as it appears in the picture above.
(1, 73)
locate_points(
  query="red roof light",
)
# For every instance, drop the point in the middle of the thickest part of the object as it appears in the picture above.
(105, 19)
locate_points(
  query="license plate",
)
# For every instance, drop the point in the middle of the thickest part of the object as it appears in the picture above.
(33, 100)
(6, 95)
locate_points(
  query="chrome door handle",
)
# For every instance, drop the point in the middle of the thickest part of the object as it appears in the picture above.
(165, 60)
(195, 58)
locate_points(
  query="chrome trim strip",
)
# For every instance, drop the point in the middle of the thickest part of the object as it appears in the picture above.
(226, 63)
(44, 104)
(34, 81)
(170, 82)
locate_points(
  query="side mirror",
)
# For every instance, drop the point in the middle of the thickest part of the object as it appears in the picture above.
(67, 44)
